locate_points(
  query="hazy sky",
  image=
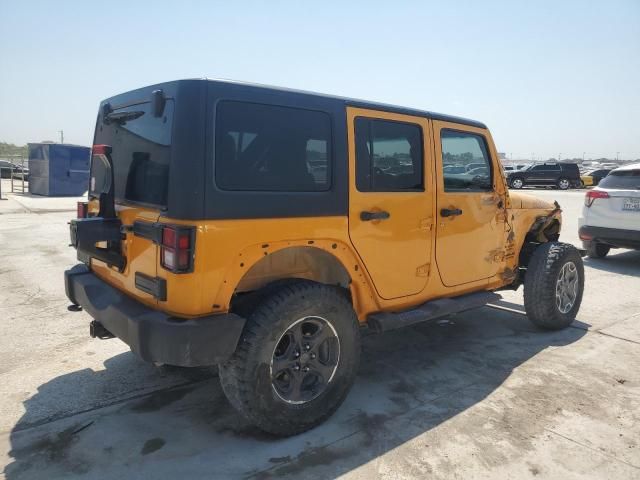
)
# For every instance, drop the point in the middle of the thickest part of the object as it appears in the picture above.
(547, 77)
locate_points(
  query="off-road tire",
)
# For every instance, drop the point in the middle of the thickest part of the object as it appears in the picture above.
(540, 285)
(246, 377)
(597, 250)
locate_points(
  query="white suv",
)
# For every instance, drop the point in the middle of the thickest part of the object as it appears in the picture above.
(611, 213)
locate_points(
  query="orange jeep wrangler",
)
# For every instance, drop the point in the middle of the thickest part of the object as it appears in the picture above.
(260, 229)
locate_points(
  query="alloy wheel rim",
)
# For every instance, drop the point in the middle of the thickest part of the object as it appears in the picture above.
(567, 287)
(304, 360)
(517, 183)
(564, 183)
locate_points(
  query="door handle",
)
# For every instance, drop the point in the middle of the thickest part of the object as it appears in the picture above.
(450, 212)
(368, 216)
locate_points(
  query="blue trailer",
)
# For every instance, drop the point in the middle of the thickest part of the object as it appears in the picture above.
(57, 169)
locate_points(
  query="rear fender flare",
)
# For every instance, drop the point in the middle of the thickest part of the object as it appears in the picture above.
(349, 272)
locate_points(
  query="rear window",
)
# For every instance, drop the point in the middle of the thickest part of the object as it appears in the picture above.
(271, 148)
(623, 179)
(141, 144)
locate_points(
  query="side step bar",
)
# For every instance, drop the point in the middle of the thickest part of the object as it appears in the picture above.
(384, 321)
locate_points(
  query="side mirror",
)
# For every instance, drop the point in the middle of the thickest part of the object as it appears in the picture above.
(158, 101)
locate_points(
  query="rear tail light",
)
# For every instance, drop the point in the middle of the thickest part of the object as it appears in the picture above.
(591, 196)
(101, 150)
(176, 249)
(81, 209)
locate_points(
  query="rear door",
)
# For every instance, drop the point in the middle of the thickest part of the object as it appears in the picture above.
(391, 198)
(470, 224)
(140, 139)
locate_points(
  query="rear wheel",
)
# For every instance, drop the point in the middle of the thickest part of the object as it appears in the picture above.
(297, 358)
(553, 285)
(564, 184)
(517, 183)
(597, 250)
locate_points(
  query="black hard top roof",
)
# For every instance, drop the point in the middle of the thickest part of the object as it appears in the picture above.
(356, 102)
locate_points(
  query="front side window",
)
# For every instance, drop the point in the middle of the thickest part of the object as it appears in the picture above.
(388, 156)
(466, 164)
(271, 148)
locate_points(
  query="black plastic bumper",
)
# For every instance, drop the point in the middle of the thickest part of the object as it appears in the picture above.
(154, 335)
(611, 236)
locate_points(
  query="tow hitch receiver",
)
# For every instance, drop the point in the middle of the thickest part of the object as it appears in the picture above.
(97, 330)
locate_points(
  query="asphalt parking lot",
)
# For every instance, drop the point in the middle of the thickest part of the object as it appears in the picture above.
(481, 395)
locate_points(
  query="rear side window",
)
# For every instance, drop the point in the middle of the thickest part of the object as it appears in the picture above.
(570, 168)
(546, 168)
(388, 156)
(271, 148)
(624, 180)
(466, 164)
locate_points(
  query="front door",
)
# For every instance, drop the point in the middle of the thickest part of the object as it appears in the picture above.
(391, 198)
(470, 203)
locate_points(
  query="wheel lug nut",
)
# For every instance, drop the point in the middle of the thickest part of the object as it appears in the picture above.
(297, 354)
(307, 347)
(296, 368)
(313, 355)
(305, 369)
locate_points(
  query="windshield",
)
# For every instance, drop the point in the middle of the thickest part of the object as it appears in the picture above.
(141, 147)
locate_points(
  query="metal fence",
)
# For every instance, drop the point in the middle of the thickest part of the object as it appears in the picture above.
(17, 177)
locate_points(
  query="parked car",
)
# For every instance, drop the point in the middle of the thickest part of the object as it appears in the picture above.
(9, 170)
(238, 256)
(6, 168)
(474, 165)
(560, 175)
(592, 178)
(454, 169)
(611, 213)
(478, 171)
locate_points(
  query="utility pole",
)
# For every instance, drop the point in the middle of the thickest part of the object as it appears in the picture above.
(61, 136)
(583, 156)
(617, 155)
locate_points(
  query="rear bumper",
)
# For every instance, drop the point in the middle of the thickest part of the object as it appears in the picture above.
(153, 335)
(611, 236)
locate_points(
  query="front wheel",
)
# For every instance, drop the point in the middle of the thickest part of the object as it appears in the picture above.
(297, 358)
(553, 285)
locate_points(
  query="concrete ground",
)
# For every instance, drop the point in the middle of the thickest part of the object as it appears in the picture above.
(482, 395)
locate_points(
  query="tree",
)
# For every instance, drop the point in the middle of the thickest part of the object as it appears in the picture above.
(9, 149)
